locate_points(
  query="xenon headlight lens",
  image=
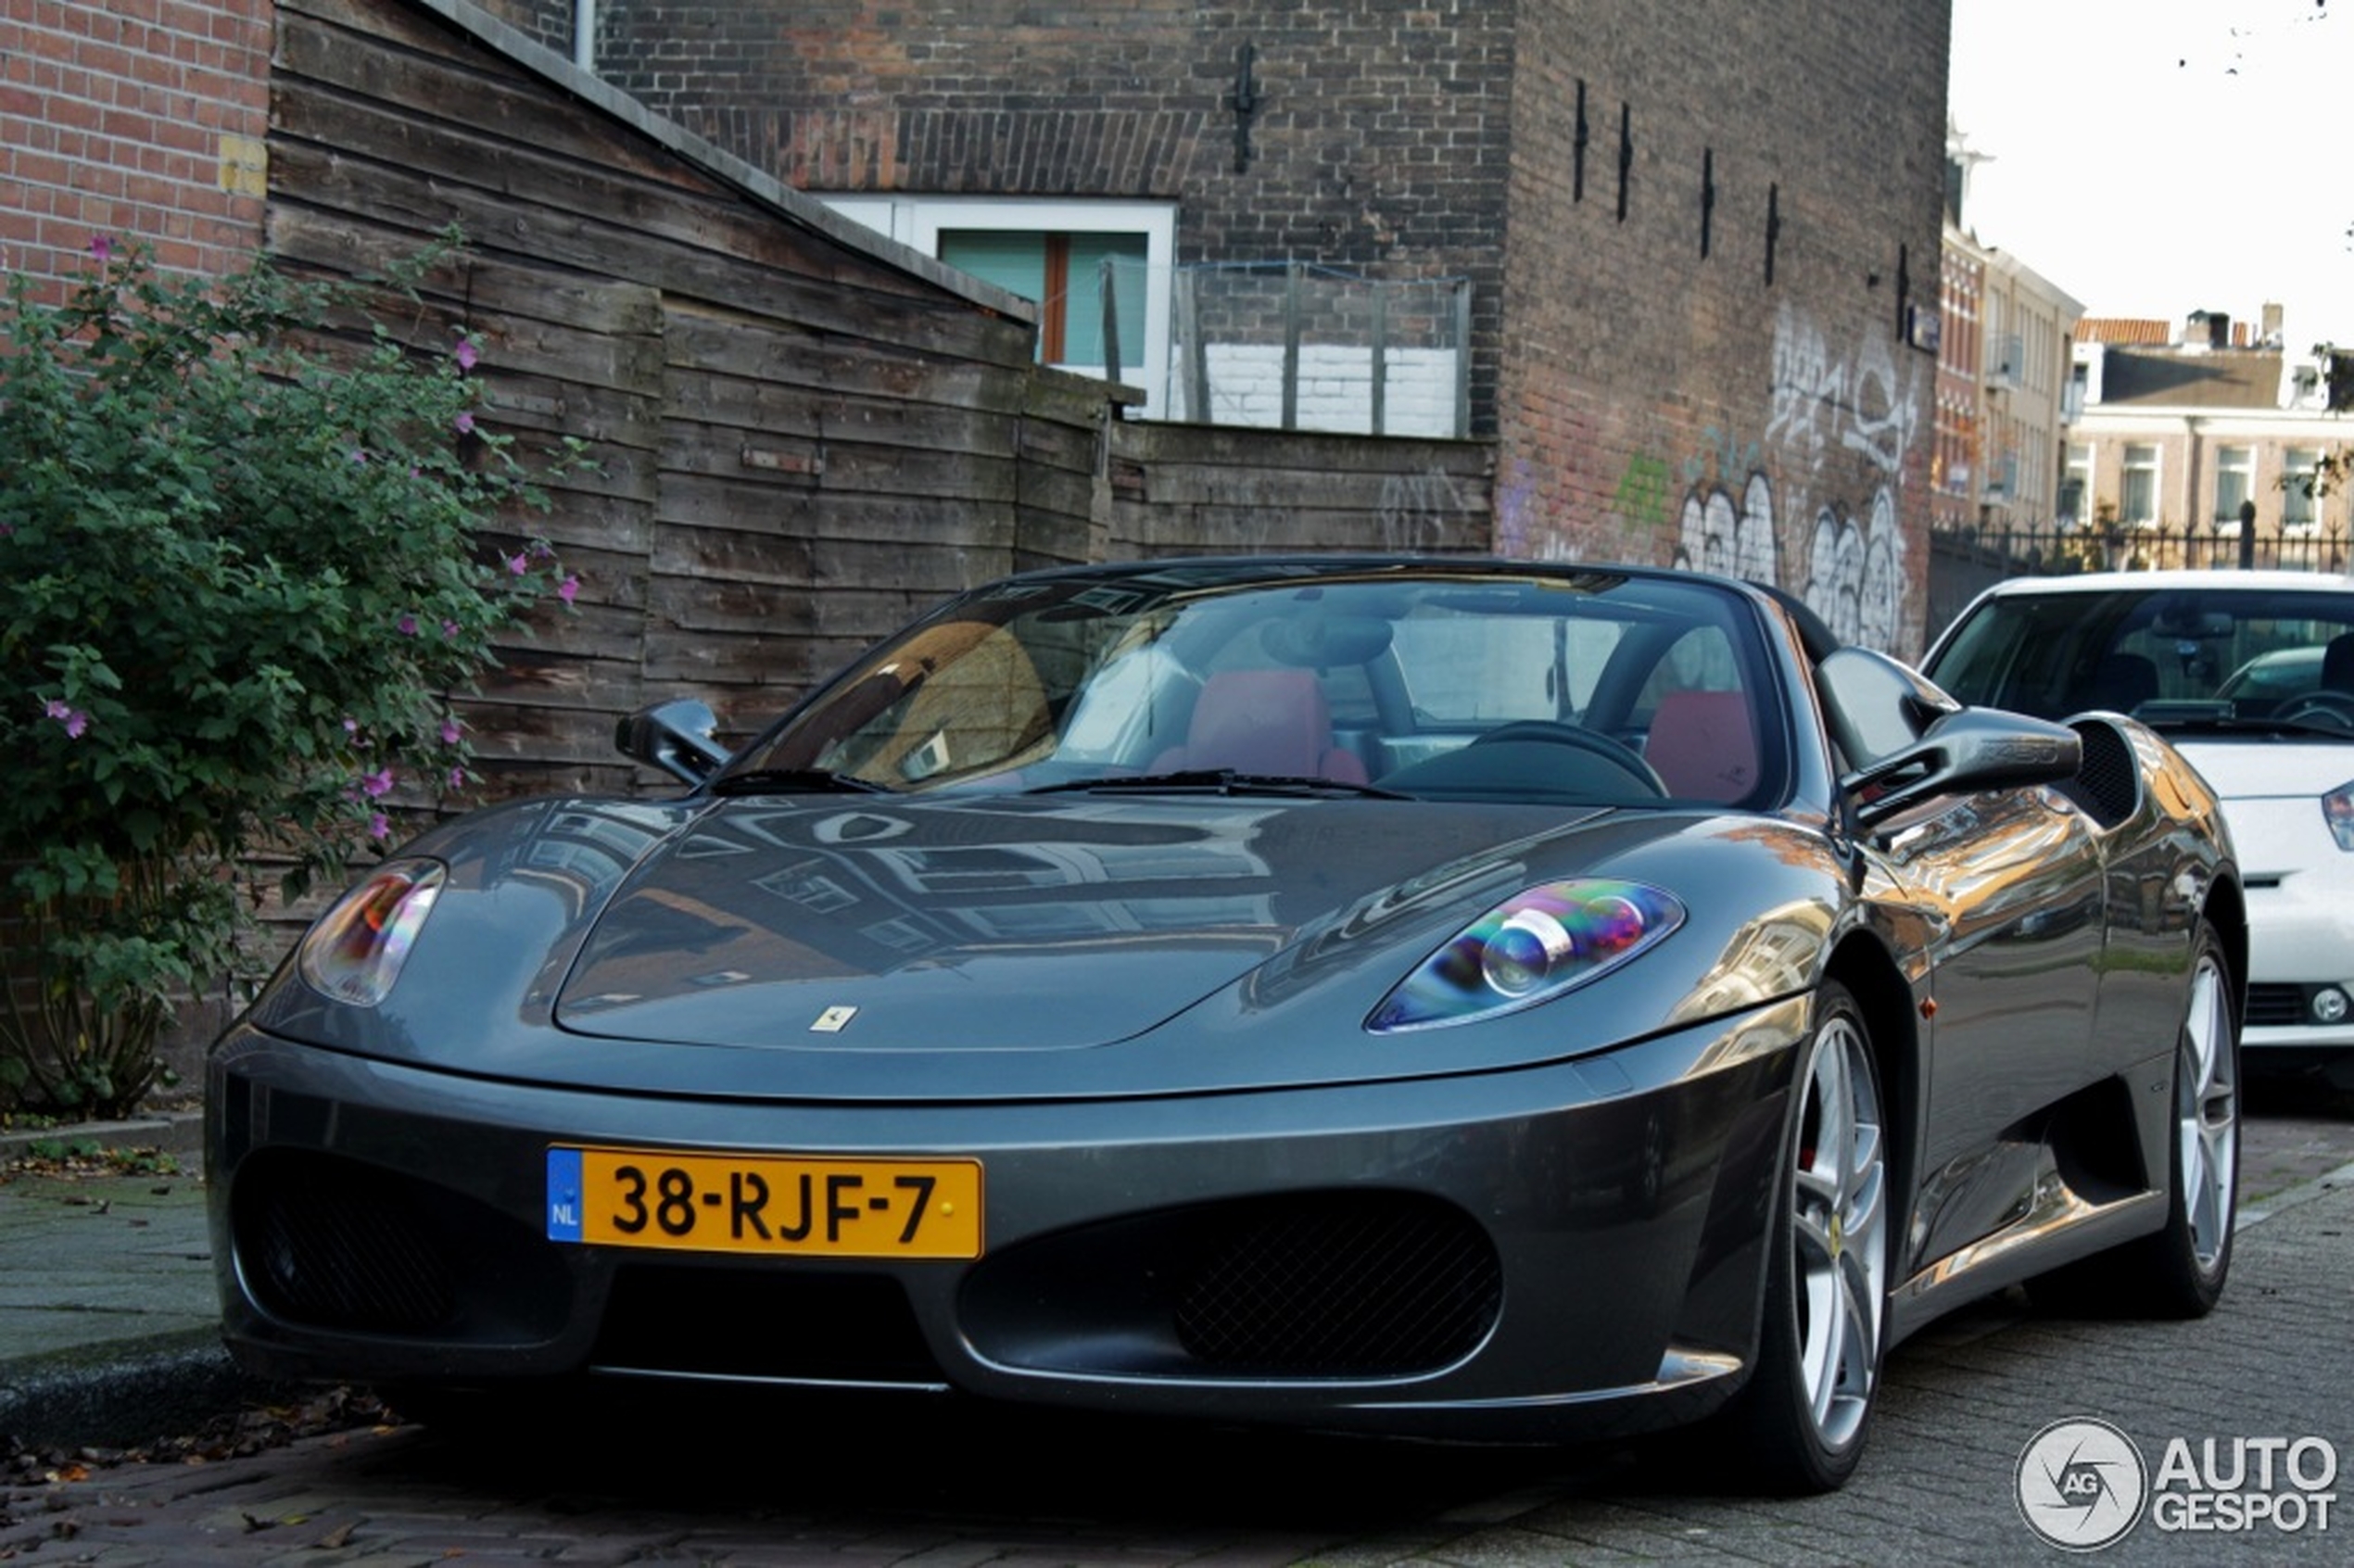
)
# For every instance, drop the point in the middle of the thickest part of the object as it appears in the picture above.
(355, 952)
(1528, 949)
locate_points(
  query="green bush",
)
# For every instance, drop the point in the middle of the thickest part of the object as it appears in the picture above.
(243, 567)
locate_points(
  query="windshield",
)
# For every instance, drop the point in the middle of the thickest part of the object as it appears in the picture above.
(1617, 688)
(2168, 655)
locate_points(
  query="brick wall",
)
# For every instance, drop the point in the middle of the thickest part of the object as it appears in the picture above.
(1650, 400)
(1714, 363)
(136, 119)
(1376, 143)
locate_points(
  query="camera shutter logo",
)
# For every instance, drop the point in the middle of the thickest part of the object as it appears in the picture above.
(2081, 1485)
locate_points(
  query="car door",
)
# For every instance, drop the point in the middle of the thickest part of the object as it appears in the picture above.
(2012, 882)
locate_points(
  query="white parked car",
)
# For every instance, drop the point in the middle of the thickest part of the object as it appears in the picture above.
(2250, 676)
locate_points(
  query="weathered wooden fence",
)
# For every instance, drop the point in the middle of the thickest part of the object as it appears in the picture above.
(802, 434)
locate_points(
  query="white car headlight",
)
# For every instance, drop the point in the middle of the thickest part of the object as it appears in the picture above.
(2337, 810)
(355, 952)
(1529, 949)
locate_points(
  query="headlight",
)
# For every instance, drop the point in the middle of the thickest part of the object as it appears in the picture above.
(355, 952)
(1529, 949)
(2337, 810)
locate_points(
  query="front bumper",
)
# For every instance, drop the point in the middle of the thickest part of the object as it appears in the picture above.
(2301, 947)
(1563, 1250)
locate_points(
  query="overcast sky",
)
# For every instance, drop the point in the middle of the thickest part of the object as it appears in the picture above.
(2154, 158)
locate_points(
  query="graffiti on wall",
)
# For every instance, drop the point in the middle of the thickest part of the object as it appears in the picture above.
(1422, 510)
(1773, 511)
(1820, 402)
(1849, 569)
(1642, 493)
(1734, 539)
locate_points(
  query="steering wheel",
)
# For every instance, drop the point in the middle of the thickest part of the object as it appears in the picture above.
(2332, 705)
(1617, 752)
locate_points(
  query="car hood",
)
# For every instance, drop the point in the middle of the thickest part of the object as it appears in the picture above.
(2267, 767)
(1018, 925)
(832, 949)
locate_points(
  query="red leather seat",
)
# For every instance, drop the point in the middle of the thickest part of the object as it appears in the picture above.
(1702, 746)
(1271, 722)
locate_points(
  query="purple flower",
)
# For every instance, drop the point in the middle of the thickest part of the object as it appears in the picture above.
(101, 250)
(351, 727)
(379, 826)
(464, 423)
(518, 564)
(358, 456)
(466, 354)
(569, 589)
(376, 784)
(448, 628)
(457, 778)
(449, 732)
(408, 626)
(74, 719)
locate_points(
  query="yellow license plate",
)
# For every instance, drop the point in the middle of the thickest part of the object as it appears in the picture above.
(768, 1204)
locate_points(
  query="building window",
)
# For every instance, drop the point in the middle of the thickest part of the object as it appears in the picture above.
(1066, 274)
(2137, 496)
(1052, 252)
(2075, 483)
(2299, 466)
(2234, 483)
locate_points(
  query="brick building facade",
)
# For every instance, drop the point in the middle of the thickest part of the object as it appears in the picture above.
(142, 122)
(1695, 235)
(1700, 237)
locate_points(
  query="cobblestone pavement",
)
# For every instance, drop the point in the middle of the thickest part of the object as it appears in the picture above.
(752, 1486)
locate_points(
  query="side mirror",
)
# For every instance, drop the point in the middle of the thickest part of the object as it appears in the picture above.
(1971, 749)
(673, 736)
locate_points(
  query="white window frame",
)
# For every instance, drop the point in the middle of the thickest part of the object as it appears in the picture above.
(2078, 473)
(2239, 460)
(917, 221)
(2301, 514)
(2156, 470)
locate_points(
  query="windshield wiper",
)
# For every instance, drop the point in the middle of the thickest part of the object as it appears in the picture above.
(793, 781)
(1222, 781)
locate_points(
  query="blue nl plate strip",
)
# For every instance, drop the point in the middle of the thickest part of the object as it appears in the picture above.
(563, 1195)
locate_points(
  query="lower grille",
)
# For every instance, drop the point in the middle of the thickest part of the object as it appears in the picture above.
(1342, 1284)
(346, 1249)
(2276, 1006)
(1356, 1283)
(331, 1242)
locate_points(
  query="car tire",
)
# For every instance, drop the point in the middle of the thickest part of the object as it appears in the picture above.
(1798, 1425)
(2178, 1271)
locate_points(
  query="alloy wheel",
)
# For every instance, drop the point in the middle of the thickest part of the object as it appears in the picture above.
(2207, 1115)
(1839, 1230)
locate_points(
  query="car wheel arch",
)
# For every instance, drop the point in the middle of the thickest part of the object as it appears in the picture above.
(2226, 915)
(1892, 1019)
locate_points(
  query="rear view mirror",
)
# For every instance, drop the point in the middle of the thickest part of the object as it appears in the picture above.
(1974, 749)
(2181, 623)
(673, 736)
(1908, 742)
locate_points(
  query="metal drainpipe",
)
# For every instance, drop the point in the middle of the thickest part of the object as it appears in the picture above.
(583, 34)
